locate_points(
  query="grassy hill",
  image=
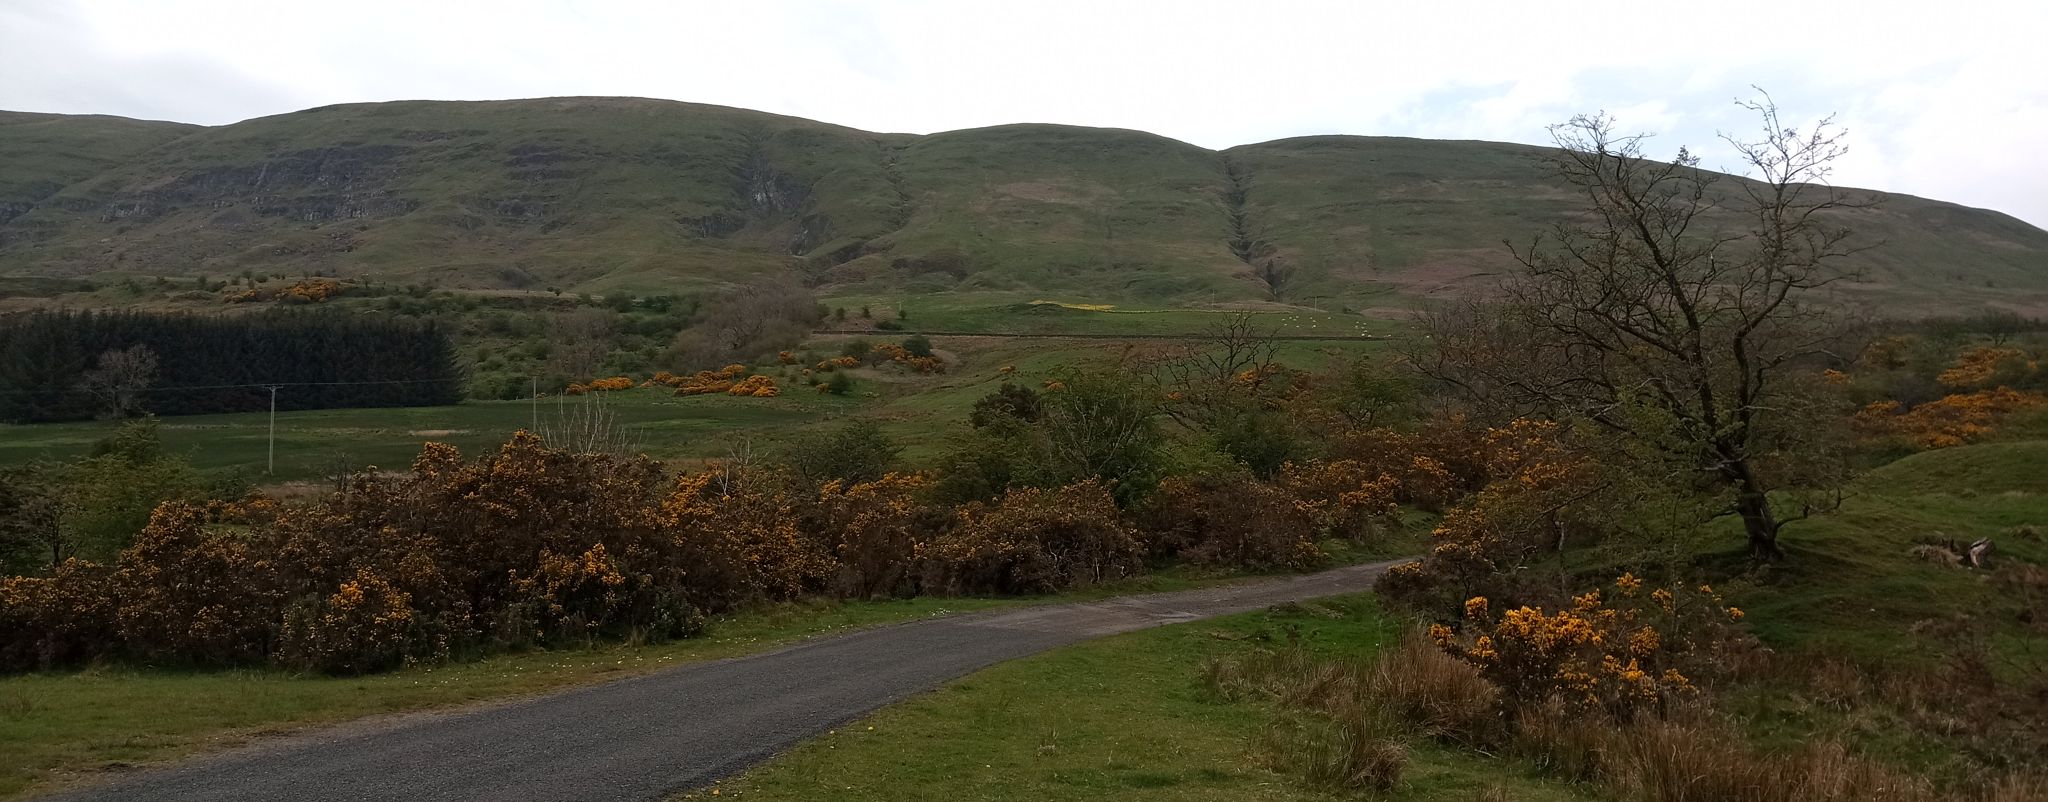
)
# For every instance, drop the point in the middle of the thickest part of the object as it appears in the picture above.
(41, 154)
(619, 194)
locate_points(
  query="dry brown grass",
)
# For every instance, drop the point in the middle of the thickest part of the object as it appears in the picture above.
(1437, 694)
(1690, 754)
(1353, 751)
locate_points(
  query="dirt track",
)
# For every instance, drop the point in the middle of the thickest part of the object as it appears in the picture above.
(647, 737)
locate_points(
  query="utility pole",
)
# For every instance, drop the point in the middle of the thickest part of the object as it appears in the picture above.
(535, 426)
(271, 468)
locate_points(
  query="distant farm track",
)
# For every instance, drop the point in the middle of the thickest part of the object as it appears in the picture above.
(1070, 336)
(651, 736)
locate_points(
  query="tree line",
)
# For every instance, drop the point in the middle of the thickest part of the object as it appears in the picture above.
(65, 365)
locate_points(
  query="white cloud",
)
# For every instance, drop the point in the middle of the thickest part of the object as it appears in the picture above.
(1944, 103)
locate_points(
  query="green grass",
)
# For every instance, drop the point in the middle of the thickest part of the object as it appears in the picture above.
(309, 442)
(919, 411)
(635, 195)
(43, 153)
(1121, 718)
(1080, 313)
(1851, 588)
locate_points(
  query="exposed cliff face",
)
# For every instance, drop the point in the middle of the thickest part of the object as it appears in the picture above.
(596, 193)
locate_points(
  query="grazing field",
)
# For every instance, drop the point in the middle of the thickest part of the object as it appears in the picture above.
(919, 411)
(1009, 313)
(312, 444)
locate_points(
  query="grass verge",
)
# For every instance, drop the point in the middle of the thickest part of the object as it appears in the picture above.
(1122, 718)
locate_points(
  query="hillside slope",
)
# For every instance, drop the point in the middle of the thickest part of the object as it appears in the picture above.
(41, 154)
(604, 194)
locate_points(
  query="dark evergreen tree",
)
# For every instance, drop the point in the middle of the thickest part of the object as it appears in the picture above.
(217, 364)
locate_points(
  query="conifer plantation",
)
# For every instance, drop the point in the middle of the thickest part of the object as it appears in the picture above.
(210, 364)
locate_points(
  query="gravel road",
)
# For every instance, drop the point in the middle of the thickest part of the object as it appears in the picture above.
(646, 737)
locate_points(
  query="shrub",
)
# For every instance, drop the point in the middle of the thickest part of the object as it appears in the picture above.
(188, 595)
(1098, 425)
(1231, 520)
(706, 382)
(1950, 421)
(1009, 404)
(1262, 440)
(1538, 488)
(756, 386)
(1035, 541)
(1989, 366)
(364, 626)
(735, 537)
(107, 498)
(739, 323)
(856, 451)
(874, 528)
(1435, 465)
(839, 384)
(64, 618)
(1343, 498)
(1639, 651)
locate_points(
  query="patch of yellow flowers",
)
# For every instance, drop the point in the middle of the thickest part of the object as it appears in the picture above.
(1623, 654)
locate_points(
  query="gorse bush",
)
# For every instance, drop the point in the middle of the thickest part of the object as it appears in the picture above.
(1231, 519)
(1536, 488)
(365, 625)
(1343, 498)
(528, 545)
(1622, 655)
(1034, 541)
(532, 546)
(1946, 422)
(64, 618)
(874, 529)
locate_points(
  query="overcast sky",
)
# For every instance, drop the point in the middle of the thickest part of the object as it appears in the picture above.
(1946, 100)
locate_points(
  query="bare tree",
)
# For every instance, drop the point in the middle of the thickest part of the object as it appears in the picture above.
(580, 340)
(1665, 316)
(1215, 375)
(589, 426)
(33, 505)
(2000, 326)
(339, 467)
(119, 379)
(732, 471)
(747, 321)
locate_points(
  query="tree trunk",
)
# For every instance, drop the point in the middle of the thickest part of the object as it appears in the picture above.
(1754, 505)
(1761, 526)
